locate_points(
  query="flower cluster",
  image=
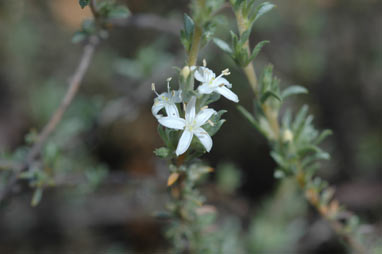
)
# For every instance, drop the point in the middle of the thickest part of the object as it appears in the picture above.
(195, 116)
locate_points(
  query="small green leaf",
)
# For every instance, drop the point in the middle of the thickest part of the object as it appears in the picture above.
(300, 118)
(244, 37)
(279, 160)
(119, 12)
(322, 136)
(217, 123)
(188, 25)
(251, 119)
(37, 195)
(261, 10)
(268, 94)
(162, 152)
(83, 3)
(222, 45)
(256, 50)
(292, 90)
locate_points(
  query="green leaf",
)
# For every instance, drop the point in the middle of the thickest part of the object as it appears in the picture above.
(217, 123)
(300, 118)
(163, 134)
(322, 136)
(251, 119)
(222, 45)
(37, 195)
(261, 10)
(256, 50)
(188, 25)
(119, 12)
(268, 94)
(83, 3)
(303, 125)
(244, 37)
(292, 90)
(162, 152)
(279, 160)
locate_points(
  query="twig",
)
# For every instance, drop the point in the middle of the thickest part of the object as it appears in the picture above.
(56, 118)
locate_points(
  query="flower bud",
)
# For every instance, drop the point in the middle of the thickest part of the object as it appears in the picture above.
(185, 72)
(287, 136)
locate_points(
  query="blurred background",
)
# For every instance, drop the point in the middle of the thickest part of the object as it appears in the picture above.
(108, 181)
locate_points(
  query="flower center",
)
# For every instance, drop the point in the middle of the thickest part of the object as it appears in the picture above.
(191, 126)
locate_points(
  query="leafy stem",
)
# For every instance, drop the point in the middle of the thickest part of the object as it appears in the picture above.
(328, 210)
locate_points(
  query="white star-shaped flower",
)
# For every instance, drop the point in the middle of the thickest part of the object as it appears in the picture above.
(167, 101)
(191, 126)
(211, 83)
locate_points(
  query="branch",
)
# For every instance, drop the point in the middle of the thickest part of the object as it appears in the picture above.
(56, 118)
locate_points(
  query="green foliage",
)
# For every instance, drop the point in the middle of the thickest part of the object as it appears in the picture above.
(237, 50)
(112, 10)
(105, 12)
(162, 152)
(83, 3)
(217, 123)
(293, 90)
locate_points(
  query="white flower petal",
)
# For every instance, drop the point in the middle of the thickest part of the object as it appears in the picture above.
(172, 122)
(223, 81)
(190, 109)
(204, 138)
(203, 116)
(158, 105)
(203, 74)
(205, 89)
(227, 93)
(176, 96)
(184, 142)
(172, 110)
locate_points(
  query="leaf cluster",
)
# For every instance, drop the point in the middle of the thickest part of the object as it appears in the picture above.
(105, 12)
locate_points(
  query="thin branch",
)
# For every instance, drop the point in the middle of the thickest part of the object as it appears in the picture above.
(56, 118)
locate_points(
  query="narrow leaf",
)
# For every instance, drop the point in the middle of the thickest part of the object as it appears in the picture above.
(188, 25)
(244, 37)
(37, 195)
(222, 45)
(322, 136)
(292, 90)
(251, 119)
(256, 50)
(119, 12)
(268, 94)
(261, 10)
(300, 118)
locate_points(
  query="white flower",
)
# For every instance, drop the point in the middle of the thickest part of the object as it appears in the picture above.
(167, 101)
(191, 126)
(211, 83)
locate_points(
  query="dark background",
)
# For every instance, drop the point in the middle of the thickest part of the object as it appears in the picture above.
(108, 181)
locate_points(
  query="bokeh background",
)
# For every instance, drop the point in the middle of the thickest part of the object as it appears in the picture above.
(108, 181)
